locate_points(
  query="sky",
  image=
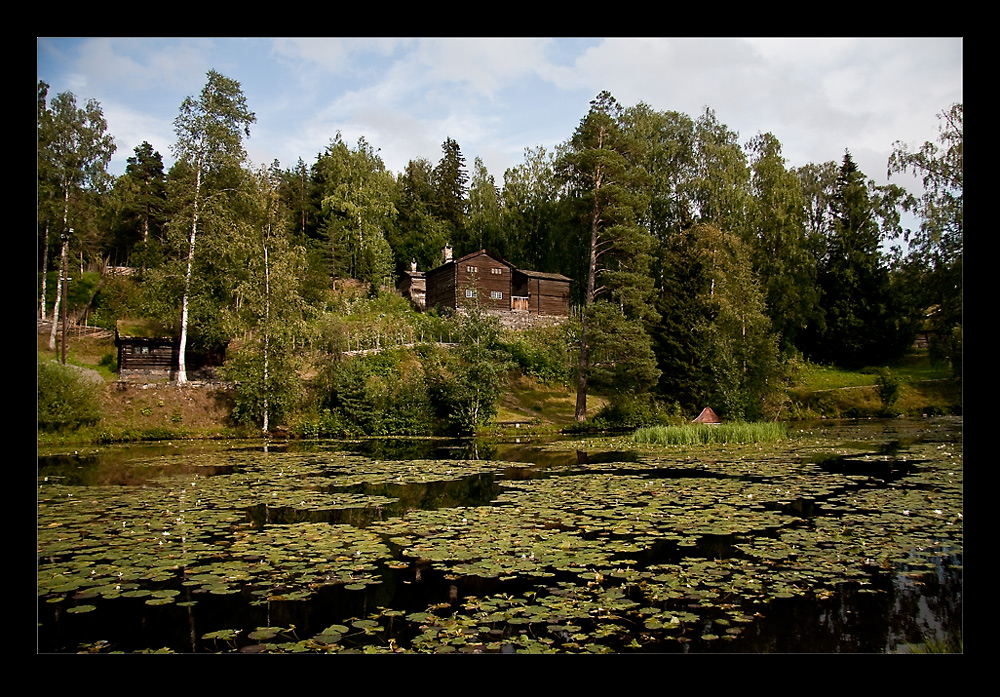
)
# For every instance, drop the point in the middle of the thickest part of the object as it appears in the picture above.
(498, 96)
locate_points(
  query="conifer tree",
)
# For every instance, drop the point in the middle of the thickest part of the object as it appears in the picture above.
(600, 168)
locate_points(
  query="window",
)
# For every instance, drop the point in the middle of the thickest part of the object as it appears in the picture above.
(496, 272)
(496, 294)
(472, 269)
(469, 293)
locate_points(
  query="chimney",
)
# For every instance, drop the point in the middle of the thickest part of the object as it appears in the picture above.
(446, 254)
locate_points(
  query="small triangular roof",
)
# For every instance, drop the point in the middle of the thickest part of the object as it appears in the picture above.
(707, 416)
(488, 253)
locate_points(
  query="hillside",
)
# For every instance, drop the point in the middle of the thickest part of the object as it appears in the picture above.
(200, 410)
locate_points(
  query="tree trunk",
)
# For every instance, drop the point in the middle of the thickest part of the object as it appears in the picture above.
(267, 336)
(63, 262)
(581, 379)
(181, 359)
(45, 272)
(584, 366)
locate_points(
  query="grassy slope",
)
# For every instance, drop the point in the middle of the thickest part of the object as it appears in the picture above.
(831, 392)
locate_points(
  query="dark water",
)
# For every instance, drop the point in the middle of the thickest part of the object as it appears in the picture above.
(898, 605)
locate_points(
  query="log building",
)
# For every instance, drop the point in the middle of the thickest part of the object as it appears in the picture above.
(483, 277)
(146, 355)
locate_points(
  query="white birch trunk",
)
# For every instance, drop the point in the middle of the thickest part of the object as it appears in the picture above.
(267, 334)
(59, 286)
(181, 360)
(45, 269)
(63, 262)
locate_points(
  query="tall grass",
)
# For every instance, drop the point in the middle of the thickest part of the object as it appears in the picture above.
(702, 434)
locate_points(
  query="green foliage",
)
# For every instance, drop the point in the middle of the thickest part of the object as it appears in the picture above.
(66, 399)
(862, 311)
(887, 388)
(544, 353)
(621, 355)
(633, 411)
(253, 395)
(465, 385)
(356, 193)
(377, 395)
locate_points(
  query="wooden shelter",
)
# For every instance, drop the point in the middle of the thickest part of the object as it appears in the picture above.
(148, 352)
(497, 285)
(707, 416)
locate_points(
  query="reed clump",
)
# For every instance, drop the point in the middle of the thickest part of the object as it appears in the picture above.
(704, 434)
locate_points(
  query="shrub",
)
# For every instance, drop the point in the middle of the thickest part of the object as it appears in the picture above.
(887, 387)
(66, 399)
(632, 411)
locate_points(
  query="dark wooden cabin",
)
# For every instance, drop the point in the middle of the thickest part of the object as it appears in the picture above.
(497, 285)
(147, 354)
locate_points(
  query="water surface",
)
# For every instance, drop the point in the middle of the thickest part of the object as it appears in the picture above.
(846, 538)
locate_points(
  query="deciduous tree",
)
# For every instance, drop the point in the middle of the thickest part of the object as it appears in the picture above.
(210, 131)
(357, 197)
(778, 243)
(938, 245)
(74, 153)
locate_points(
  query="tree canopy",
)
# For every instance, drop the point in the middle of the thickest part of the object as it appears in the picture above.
(703, 265)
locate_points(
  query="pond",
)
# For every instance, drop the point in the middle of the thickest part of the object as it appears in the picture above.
(847, 537)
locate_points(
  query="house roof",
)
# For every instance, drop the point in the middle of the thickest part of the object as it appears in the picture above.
(546, 276)
(488, 253)
(497, 257)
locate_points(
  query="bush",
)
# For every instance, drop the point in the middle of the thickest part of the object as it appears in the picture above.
(887, 387)
(66, 399)
(632, 411)
(544, 353)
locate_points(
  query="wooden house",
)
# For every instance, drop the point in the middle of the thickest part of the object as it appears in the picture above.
(484, 278)
(145, 353)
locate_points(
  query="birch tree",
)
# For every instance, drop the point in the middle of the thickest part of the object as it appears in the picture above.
(268, 309)
(210, 132)
(74, 151)
(358, 202)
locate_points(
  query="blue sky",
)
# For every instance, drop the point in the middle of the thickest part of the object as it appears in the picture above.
(498, 96)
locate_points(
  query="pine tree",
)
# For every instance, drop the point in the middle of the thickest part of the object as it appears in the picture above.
(600, 168)
(861, 324)
(450, 182)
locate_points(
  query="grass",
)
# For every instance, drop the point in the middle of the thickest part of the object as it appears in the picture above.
(703, 434)
(830, 392)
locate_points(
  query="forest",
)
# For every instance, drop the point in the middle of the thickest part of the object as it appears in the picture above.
(704, 268)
